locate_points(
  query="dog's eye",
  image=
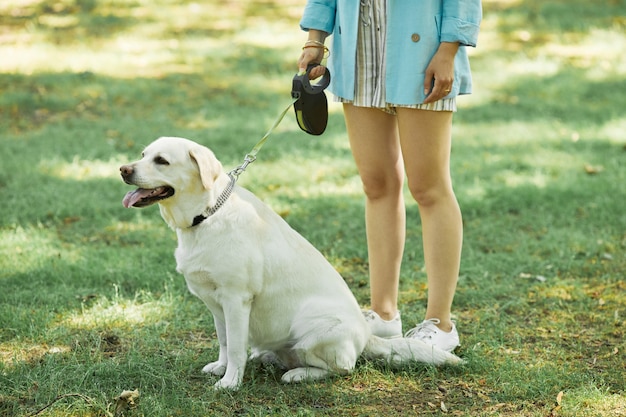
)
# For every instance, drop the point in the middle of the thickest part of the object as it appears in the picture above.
(159, 160)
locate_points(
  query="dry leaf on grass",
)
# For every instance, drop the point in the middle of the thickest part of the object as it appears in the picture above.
(593, 169)
(125, 401)
(557, 407)
(443, 407)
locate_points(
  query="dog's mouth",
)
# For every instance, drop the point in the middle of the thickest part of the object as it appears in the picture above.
(143, 197)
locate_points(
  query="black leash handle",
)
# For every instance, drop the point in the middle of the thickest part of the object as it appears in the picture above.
(303, 79)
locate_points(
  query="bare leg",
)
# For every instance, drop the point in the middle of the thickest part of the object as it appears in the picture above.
(376, 149)
(426, 142)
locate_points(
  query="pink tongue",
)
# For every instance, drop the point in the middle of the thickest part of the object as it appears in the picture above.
(133, 196)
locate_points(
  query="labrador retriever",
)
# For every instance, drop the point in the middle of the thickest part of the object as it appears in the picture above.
(267, 287)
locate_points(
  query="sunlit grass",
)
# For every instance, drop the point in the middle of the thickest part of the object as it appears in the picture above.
(12, 353)
(82, 169)
(119, 313)
(144, 40)
(614, 131)
(589, 401)
(29, 248)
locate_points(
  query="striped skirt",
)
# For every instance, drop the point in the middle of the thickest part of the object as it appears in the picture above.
(370, 63)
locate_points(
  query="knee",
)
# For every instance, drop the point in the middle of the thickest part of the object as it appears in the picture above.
(379, 187)
(428, 195)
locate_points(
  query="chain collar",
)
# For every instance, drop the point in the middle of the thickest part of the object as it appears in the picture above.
(218, 204)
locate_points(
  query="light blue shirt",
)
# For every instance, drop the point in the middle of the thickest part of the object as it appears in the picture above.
(415, 28)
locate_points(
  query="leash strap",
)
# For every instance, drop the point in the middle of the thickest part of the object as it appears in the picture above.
(300, 80)
(251, 156)
(234, 174)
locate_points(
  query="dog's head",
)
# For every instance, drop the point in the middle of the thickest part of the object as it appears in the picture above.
(169, 169)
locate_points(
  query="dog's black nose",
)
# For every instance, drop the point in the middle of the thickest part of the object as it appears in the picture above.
(126, 170)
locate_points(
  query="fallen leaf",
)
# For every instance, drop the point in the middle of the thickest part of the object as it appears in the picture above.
(559, 398)
(125, 401)
(554, 411)
(539, 278)
(593, 169)
(444, 408)
(70, 220)
(557, 407)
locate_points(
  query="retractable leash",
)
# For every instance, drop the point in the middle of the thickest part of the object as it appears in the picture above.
(311, 108)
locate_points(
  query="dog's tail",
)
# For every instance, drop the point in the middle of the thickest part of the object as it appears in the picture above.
(400, 350)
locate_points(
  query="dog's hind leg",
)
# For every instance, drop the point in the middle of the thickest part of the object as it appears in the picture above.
(304, 374)
(324, 361)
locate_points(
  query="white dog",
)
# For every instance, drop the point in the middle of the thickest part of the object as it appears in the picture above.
(267, 287)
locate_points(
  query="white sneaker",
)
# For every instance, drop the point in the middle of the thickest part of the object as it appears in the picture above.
(428, 332)
(387, 329)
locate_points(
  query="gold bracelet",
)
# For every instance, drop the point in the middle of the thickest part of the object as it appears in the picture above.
(321, 44)
(326, 50)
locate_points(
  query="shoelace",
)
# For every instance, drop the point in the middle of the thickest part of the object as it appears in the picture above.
(425, 330)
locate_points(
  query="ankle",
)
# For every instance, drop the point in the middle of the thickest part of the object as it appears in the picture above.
(443, 325)
(386, 315)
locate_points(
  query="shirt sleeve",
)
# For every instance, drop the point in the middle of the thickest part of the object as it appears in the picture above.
(461, 21)
(319, 15)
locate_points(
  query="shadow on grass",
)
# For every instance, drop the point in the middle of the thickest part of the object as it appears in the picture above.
(68, 21)
(93, 21)
(561, 17)
(569, 96)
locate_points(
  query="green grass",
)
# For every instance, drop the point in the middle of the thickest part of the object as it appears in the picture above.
(91, 303)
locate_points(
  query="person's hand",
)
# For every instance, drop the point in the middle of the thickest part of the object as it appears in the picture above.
(440, 73)
(313, 53)
(311, 56)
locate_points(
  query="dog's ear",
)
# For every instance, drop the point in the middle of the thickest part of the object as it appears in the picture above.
(208, 165)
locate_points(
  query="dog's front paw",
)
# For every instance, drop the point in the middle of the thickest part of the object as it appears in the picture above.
(215, 368)
(225, 383)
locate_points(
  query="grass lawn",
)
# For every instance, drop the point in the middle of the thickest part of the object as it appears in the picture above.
(91, 304)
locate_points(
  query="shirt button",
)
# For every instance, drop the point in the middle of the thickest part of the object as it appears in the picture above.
(415, 37)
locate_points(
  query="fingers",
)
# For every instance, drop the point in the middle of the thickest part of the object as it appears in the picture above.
(439, 90)
(440, 73)
(429, 80)
(308, 56)
(317, 72)
(311, 57)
